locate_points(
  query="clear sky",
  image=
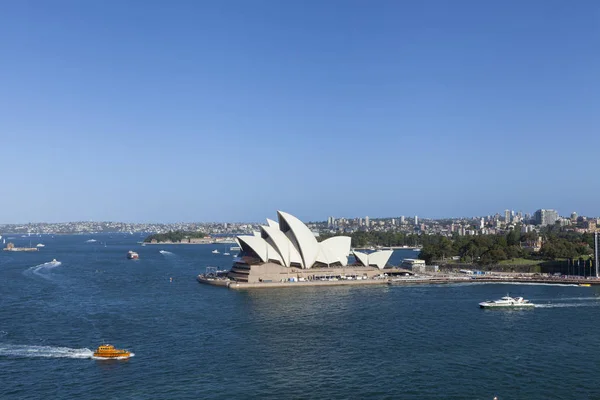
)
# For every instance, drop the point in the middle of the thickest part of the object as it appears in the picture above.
(229, 110)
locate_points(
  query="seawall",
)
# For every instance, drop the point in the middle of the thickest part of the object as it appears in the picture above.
(409, 281)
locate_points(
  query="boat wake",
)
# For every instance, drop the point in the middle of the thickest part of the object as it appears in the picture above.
(165, 253)
(43, 269)
(592, 298)
(24, 351)
(567, 305)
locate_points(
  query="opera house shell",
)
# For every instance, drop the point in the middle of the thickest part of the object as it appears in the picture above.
(290, 243)
(289, 246)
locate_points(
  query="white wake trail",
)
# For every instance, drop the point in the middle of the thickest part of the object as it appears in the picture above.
(164, 252)
(43, 269)
(566, 305)
(25, 351)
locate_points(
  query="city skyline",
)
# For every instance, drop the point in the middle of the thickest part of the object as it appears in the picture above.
(225, 111)
(397, 219)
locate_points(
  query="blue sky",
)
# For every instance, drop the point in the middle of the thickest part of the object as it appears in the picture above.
(230, 110)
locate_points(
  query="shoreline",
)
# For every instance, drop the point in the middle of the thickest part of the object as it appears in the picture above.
(397, 281)
(167, 243)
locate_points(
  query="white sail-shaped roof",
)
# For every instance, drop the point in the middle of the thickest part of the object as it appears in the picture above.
(256, 243)
(362, 258)
(272, 223)
(304, 238)
(290, 243)
(377, 259)
(380, 258)
(336, 249)
(282, 244)
(273, 254)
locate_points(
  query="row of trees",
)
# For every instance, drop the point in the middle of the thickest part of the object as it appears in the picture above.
(485, 249)
(174, 236)
(490, 249)
(364, 239)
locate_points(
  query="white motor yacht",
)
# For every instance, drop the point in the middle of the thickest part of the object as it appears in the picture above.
(507, 301)
(215, 251)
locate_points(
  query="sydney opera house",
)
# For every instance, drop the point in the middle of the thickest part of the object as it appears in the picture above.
(287, 249)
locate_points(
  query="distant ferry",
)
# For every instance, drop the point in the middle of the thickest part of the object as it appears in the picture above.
(109, 351)
(132, 255)
(507, 301)
(40, 245)
(215, 251)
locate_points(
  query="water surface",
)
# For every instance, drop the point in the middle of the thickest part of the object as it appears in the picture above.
(193, 341)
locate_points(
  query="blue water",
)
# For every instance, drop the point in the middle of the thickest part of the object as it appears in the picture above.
(193, 341)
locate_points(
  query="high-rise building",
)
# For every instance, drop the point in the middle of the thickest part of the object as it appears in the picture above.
(481, 223)
(330, 221)
(545, 217)
(574, 216)
(367, 221)
(402, 220)
(507, 216)
(416, 220)
(394, 221)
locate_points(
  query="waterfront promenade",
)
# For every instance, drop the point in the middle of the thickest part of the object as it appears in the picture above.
(446, 279)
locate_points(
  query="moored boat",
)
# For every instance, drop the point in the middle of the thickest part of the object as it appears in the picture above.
(507, 302)
(109, 351)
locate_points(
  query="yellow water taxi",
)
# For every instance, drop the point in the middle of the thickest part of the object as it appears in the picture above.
(585, 284)
(109, 351)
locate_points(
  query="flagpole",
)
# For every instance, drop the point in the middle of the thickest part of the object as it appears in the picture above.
(596, 253)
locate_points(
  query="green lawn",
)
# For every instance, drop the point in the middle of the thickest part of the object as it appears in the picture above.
(520, 261)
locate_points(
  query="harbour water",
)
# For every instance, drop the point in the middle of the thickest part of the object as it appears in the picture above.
(195, 341)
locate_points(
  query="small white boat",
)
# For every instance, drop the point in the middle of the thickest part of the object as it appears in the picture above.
(90, 240)
(233, 248)
(215, 251)
(226, 254)
(508, 302)
(40, 245)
